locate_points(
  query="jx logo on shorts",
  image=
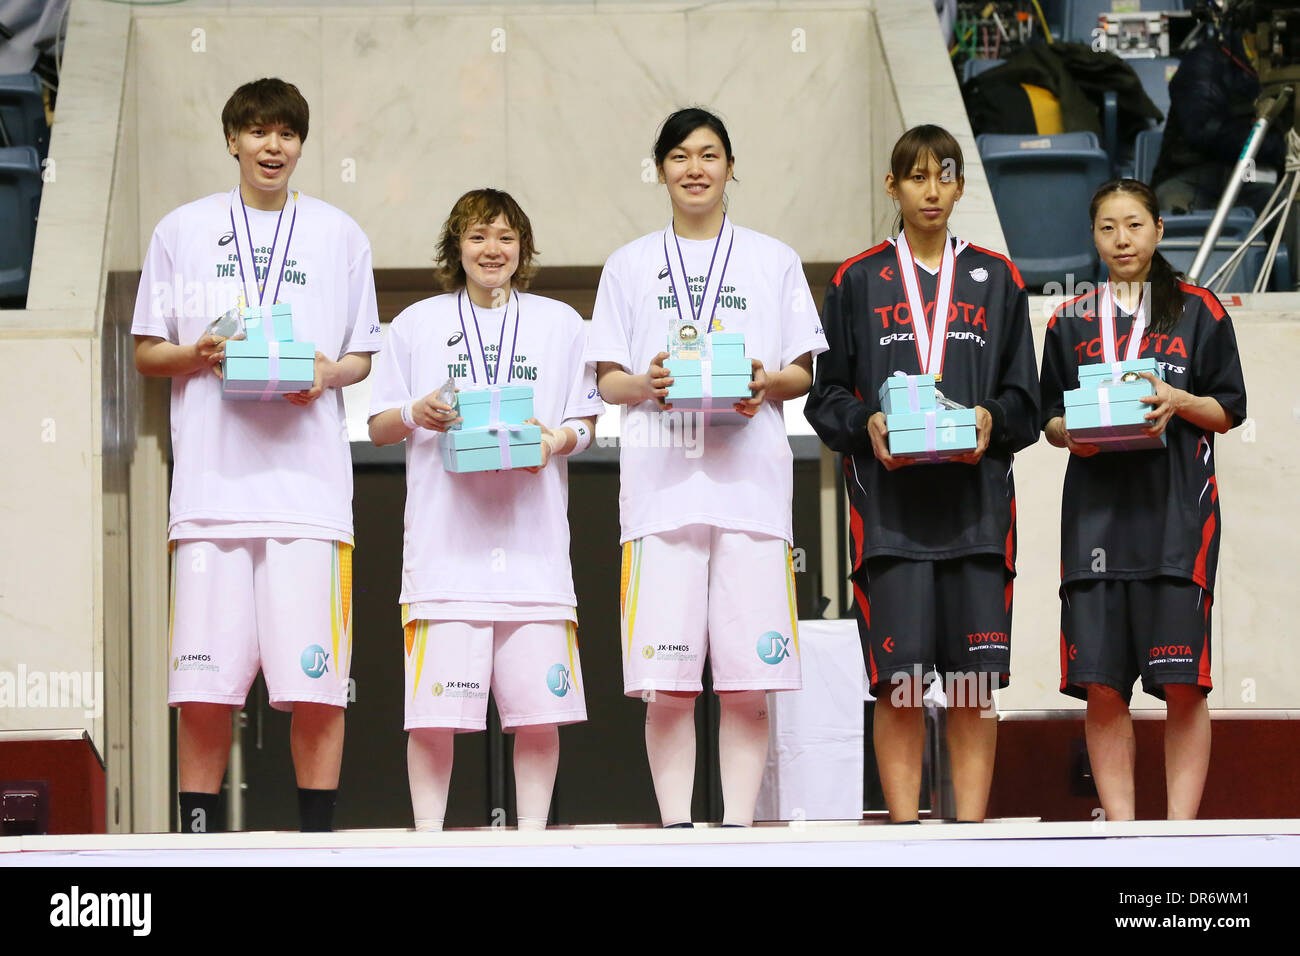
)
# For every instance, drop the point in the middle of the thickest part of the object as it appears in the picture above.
(773, 648)
(314, 660)
(557, 680)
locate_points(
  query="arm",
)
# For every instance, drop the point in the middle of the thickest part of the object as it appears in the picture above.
(348, 370)
(1219, 401)
(1013, 408)
(619, 387)
(389, 426)
(833, 408)
(560, 441)
(158, 357)
(1200, 410)
(791, 382)
(1051, 392)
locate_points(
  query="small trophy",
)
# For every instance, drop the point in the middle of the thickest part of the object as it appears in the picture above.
(685, 340)
(227, 326)
(944, 401)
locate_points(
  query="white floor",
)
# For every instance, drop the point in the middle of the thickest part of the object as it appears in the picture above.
(1002, 843)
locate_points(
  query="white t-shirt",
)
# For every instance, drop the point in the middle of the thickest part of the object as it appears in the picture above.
(496, 536)
(246, 468)
(672, 472)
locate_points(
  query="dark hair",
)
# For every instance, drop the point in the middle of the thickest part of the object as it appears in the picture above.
(680, 125)
(265, 101)
(918, 144)
(482, 205)
(1166, 296)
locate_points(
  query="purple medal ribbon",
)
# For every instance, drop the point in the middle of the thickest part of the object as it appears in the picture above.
(292, 198)
(492, 375)
(707, 301)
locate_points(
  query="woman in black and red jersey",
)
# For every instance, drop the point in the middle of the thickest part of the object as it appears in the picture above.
(933, 544)
(1140, 529)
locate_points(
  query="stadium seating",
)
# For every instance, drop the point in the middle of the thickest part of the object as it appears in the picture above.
(1146, 150)
(1155, 73)
(1041, 186)
(22, 111)
(20, 198)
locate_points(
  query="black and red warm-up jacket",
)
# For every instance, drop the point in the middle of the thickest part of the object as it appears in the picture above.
(928, 511)
(1154, 512)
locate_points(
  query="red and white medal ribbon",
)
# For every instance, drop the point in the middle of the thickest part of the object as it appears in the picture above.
(931, 340)
(1109, 350)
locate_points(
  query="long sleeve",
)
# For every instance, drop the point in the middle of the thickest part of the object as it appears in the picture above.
(1014, 406)
(1057, 374)
(834, 408)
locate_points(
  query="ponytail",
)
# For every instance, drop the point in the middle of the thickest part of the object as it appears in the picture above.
(1166, 296)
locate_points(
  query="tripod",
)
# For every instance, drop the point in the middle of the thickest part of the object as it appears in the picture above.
(1279, 206)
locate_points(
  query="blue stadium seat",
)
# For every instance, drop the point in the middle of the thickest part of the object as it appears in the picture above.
(22, 111)
(1146, 150)
(975, 67)
(1192, 225)
(20, 199)
(1041, 186)
(1155, 74)
(1183, 235)
(1180, 256)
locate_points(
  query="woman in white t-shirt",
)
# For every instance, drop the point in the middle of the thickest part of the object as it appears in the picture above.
(705, 506)
(487, 590)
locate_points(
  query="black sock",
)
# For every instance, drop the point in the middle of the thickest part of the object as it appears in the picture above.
(316, 810)
(905, 823)
(738, 826)
(199, 812)
(679, 826)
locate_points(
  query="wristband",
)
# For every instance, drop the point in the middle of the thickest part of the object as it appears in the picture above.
(582, 430)
(407, 420)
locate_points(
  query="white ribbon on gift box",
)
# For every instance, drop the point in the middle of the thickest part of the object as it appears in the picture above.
(1103, 406)
(501, 429)
(913, 396)
(931, 438)
(706, 381)
(272, 371)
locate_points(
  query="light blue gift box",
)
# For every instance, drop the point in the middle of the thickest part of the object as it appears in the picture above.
(727, 345)
(895, 394)
(475, 405)
(267, 363)
(1088, 407)
(479, 449)
(730, 373)
(932, 435)
(1095, 372)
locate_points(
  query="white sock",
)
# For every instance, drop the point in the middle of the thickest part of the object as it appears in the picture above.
(670, 747)
(537, 756)
(742, 753)
(429, 752)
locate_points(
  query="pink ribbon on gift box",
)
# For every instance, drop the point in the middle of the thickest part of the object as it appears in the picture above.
(273, 370)
(501, 429)
(913, 397)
